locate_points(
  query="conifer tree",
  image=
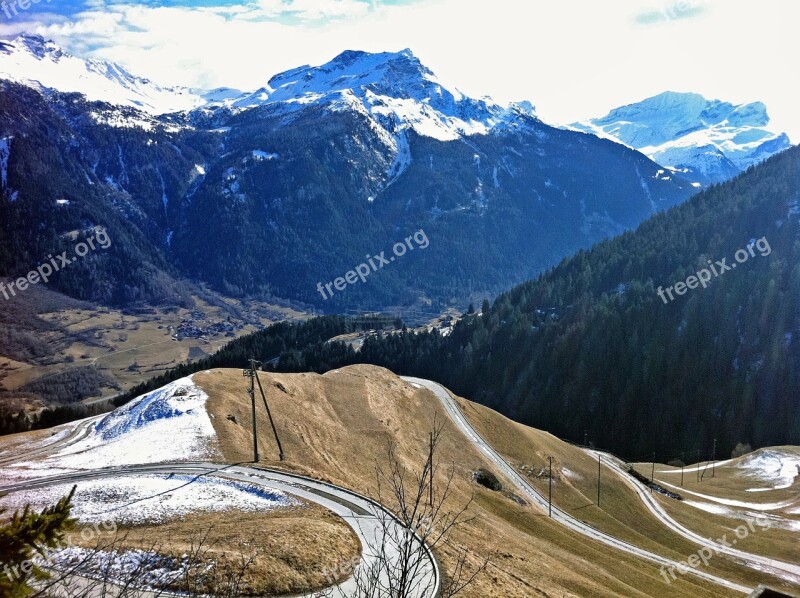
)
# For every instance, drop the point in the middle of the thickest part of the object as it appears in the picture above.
(26, 535)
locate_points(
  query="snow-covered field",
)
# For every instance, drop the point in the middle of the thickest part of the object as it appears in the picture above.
(139, 499)
(167, 425)
(152, 569)
(769, 470)
(756, 506)
(765, 519)
(777, 468)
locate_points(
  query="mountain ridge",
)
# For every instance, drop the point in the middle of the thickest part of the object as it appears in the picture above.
(34, 61)
(249, 200)
(708, 141)
(705, 141)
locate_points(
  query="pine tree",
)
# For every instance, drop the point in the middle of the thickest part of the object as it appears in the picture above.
(27, 535)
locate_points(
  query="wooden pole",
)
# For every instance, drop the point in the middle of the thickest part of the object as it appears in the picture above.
(713, 459)
(653, 473)
(550, 491)
(598, 479)
(269, 413)
(252, 392)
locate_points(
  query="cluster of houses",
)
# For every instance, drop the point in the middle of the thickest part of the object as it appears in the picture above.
(196, 326)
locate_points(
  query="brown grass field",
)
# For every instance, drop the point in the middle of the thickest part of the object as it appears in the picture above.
(731, 482)
(128, 347)
(337, 427)
(290, 548)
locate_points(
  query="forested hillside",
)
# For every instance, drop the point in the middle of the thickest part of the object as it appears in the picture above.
(65, 173)
(590, 347)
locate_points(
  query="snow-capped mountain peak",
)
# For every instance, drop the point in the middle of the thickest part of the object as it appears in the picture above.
(36, 62)
(710, 139)
(394, 88)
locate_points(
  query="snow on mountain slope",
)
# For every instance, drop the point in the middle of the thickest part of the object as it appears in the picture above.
(710, 139)
(33, 61)
(168, 424)
(394, 89)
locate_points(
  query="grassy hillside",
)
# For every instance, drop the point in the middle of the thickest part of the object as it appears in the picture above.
(337, 427)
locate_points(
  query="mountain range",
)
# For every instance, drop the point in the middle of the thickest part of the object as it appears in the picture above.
(36, 62)
(251, 193)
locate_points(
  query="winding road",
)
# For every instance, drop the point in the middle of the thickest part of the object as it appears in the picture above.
(565, 519)
(79, 432)
(368, 519)
(761, 563)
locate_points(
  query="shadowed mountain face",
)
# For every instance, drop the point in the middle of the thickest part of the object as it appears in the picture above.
(295, 184)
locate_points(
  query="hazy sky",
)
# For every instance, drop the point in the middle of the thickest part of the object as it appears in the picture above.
(572, 58)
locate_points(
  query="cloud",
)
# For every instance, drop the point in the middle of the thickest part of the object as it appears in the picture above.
(571, 68)
(674, 11)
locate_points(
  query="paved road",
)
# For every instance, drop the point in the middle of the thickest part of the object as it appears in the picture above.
(365, 517)
(79, 431)
(760, 563)
(567, 520)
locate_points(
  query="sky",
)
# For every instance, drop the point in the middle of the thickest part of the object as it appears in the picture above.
(573, 59)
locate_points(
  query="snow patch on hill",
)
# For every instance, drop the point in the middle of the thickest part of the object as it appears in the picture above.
(774, 467)
(166, 425)
(140, 499)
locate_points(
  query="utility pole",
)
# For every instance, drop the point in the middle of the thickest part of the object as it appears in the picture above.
(251, 373)
(598, 479)
(585, 438)
(254, 364)
(713, 459)
(653, 472)
(550, 490)
(430, 471)
(682, 466)
(698, 465)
